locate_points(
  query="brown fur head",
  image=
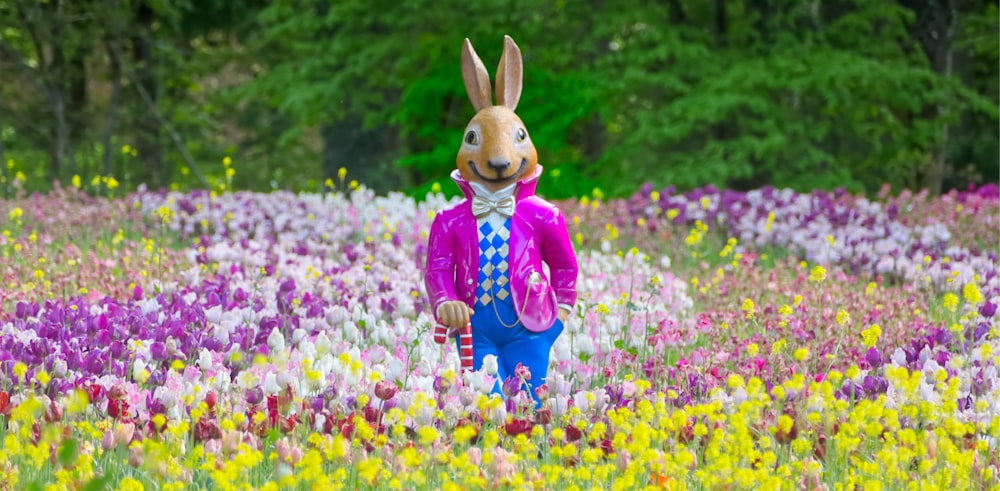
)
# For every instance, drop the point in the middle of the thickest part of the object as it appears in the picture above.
(496, 150)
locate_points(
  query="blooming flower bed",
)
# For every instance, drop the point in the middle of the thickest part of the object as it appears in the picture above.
(760, 339)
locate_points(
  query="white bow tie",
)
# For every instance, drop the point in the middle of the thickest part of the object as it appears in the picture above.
(482, 206)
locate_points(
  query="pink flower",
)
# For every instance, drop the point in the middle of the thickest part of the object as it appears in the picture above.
(475, 455)
(288, 451)
(522, 372)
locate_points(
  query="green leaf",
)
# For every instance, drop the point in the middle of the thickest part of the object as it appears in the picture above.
(68, 452)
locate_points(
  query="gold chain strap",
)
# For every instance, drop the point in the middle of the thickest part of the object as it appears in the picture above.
(531, 280)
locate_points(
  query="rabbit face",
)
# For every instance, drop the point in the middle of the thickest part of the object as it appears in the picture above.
(496, 150)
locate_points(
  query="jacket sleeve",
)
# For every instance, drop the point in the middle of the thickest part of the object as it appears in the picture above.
(557, 252)
(439, 272)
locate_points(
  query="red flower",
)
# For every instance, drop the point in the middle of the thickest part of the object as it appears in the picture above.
(211, 399)
(117, 408)
(543, 416)
(573, 433)
(517, 426)
(5, 406)
(371, 414)
(94, 391)
(53, 413)
(116, 393)
(206, 429)
(288, 424)
(346, 426)
(385, 390)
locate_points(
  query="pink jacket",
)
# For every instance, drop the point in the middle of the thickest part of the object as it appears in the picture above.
(538, 233)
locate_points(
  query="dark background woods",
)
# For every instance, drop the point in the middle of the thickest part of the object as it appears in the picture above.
(807, 94)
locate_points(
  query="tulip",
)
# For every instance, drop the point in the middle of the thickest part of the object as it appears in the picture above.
(385, 390)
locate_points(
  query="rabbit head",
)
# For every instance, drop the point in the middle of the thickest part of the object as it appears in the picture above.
(496, 150)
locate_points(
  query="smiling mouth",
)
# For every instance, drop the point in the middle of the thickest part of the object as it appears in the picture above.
(524, 163)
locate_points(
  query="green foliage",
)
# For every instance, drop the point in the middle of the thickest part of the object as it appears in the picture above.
(737, 93)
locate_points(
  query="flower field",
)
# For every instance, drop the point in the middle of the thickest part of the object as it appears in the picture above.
(722, 340)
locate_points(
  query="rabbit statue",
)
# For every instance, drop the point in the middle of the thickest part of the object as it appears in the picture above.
(501, 271)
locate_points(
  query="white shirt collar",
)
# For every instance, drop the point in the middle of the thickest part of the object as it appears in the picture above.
(497, 195)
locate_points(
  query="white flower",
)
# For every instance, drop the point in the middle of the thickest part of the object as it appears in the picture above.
(270, 385)
(480, 381)
(581, 400)
(205, 359)
(323, 344)
(298, 335)
(138, 367)
(276, 340)
(490, 365)
(59, 367)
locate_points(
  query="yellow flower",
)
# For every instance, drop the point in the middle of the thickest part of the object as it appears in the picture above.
(870, 336)
(843, 317)
(748, 307)
(753, 349)
(20, 369)
(971, 293)
(778, 346)
(427, 435)
(870, 288)
(801, 354)
(950, 301)
(817, 274)
(779, 393)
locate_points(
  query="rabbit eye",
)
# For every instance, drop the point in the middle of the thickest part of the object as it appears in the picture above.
(471, 138)
(521, 134)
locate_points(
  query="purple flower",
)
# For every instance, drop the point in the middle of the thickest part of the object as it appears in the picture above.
(159, 351)
(255, 396)
(873, 357)
(942, 357)
(874, 384)
(511, 386)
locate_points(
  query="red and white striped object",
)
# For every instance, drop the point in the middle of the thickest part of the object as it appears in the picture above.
(464, 343)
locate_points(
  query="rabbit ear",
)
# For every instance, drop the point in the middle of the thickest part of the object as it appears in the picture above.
(509, 75)
(477, 81)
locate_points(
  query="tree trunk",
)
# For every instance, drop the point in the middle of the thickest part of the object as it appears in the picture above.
(65, 161)
(362, 152)
(945, 57)
(114, 57)
(3, 160)
(147, 140)
(67, 90)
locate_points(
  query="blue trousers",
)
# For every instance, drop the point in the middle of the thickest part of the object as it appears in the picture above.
(511, 345)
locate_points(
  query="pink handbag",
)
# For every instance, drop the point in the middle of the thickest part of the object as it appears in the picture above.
(538, 309)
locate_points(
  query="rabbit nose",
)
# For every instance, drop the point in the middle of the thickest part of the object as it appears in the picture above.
(498, 165)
